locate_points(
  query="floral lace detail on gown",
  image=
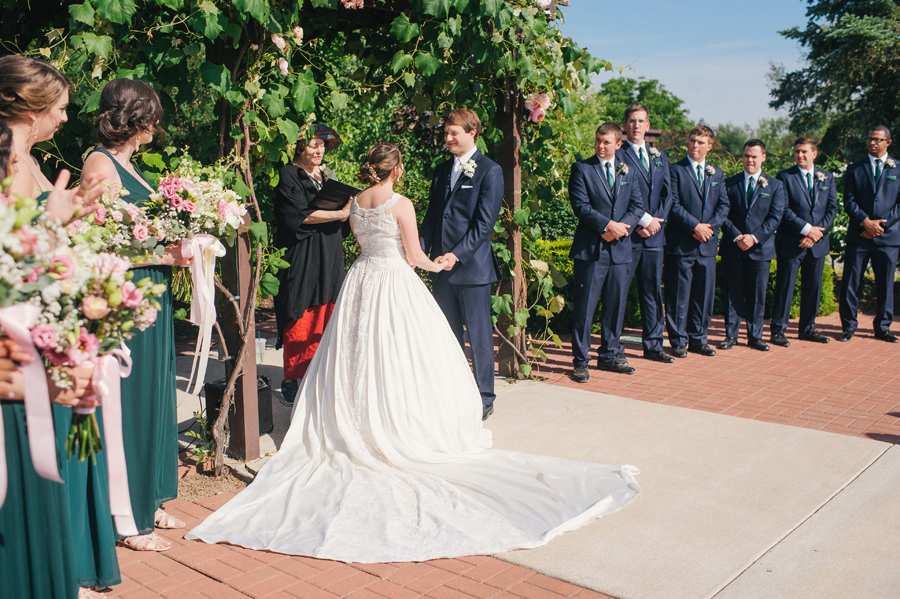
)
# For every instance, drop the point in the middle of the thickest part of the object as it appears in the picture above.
(386, 458)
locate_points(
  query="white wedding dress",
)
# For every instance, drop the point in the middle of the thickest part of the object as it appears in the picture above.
(386, 459)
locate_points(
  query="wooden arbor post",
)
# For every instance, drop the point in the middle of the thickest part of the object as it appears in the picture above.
(243, 419)
(509, 119)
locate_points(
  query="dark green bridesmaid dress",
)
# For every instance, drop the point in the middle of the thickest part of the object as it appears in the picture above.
(36, 548)
(149, 419)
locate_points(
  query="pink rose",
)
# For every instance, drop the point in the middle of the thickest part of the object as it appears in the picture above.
(531, 104)
(63, 265)
(279, 41)
(100, 215)
(175, 202)
(131, 295)
(37, 272)
(133, 210)
(141, 233)
(298, 33)
(84, 349)
(117, 216)
(94, 307)
(537, 115)
(27, 239)
(44, 336)
(188, 206)
(112, 265)
(147, 318)
(543, 100)
(283, 66)
(55, 358)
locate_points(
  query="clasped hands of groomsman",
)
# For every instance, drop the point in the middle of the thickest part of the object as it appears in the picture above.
(639, 216)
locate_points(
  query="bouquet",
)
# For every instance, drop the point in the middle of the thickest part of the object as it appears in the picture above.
(121, 228)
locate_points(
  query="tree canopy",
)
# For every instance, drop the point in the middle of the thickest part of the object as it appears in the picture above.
(852, 78)
(666, 109)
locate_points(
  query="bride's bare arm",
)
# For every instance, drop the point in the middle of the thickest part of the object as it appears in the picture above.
(405, 214)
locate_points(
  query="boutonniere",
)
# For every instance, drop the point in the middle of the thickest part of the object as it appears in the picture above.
(821, 176)
(763, 182)
(710, 169)
(468, 168)
(653, 152)
(890, 163)
(623, 169)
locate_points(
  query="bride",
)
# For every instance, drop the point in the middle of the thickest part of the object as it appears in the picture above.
(386, 459)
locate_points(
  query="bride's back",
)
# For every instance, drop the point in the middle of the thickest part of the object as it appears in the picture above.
(374, 225)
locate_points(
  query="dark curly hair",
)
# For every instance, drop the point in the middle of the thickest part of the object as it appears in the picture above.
(380, 161)
(28, 85)
(127, 107)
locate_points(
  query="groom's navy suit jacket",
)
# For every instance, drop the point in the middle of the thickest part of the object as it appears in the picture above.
(757, 215)
(654, 186)
(863, 198)
(693, 204)
(595, 205)
(460, 220)
(817, 209)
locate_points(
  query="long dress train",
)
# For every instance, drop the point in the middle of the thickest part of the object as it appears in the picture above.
(386, 458)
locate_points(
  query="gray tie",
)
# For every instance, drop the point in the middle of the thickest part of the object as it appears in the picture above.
(455, 172)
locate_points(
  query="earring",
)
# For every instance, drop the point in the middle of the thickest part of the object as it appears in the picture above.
(32, 135)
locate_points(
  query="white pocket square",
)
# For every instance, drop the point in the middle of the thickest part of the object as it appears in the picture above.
(465, 187)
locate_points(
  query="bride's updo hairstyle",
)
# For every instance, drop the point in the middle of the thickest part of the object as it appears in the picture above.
(127, 107)
(5, 151)
(28, 85)
(380, 161)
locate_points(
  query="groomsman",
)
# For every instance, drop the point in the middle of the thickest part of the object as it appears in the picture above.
(872, 201)
(802, 242)
(699, 207)
(756, 203)
(464, 203)
(606, 199)
(648, 240)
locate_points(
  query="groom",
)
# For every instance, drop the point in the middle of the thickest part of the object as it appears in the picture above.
(464, 203)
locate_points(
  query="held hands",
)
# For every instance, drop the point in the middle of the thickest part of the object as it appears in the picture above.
(66, 205)
(74, 397)
(615, 230)
(446, 262)
(872, 228)
(807, 242)
(745, 242)
(11, 382)
(703, 232)
(652, 229)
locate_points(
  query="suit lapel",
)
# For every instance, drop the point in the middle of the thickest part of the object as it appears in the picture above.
(462, 176)
(756, 191)
(693, 175)
(632, 155)
(884, 169)
(812, 195)
(870, 174)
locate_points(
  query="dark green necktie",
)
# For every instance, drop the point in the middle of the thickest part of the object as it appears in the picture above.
(643, 158)
(699, 175)
(609, 176)
(809, 184)
(877, 170)
(750, 187)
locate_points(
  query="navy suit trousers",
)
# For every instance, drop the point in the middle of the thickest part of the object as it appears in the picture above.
(690, 291)
(608, 282)
(647, 264)
(884, 262)
(744, 285)
(810, 269)
(469, 306)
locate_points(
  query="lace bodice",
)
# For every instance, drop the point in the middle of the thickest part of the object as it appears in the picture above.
(377, 232)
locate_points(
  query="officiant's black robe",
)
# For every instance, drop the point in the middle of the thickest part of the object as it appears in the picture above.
(315, 252)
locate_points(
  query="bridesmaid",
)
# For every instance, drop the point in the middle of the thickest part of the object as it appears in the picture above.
(35, 526)
(129, 115)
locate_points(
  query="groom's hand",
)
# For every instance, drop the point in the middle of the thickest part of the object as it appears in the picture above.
(448, 261)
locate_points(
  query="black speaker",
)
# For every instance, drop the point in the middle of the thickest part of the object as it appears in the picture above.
(216, 390)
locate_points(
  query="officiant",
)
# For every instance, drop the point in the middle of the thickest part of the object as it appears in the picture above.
(313, 242)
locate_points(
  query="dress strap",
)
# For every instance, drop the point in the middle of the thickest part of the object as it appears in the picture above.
(123, 173)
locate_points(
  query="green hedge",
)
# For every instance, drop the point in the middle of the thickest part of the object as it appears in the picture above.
(556, 253)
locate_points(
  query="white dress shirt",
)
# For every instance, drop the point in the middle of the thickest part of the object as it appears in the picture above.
(647, 218)
(872, 160)
(755, 177)
(806, 228)
(458, 161)
(694, 166)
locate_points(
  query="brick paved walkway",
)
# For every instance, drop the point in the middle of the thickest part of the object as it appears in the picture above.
(849, 388)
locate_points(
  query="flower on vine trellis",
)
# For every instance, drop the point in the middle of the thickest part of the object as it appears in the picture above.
(298, 34)
(354, 4)
(283, 66)
(537, 106)
(279, 41)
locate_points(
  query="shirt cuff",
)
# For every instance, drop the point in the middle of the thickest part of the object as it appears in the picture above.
(755, 240)
(806, 229)
(645, 220)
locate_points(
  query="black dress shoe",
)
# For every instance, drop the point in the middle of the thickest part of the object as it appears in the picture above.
(845, 336)
(679, 351)
(814, 336)
(581, 374)
(887, 336)
(757, 344)
(487, 411)
(703, 350)
(659, 356)
(780, 339)
(620, 365)
(727, 343)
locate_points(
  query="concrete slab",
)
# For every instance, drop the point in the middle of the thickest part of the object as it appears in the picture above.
(849, 548)
(718, 491)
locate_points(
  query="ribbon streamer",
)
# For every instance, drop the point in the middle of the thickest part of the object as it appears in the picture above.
(108, 374)
(204, 249)
(17, 321)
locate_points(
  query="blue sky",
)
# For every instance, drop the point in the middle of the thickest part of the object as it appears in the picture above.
(713, 54)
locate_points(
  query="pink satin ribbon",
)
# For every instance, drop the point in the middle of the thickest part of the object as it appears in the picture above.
(17, 321)
(108, 374)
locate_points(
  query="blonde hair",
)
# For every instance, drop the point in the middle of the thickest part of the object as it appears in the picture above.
(380, 161)
(28, 85)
